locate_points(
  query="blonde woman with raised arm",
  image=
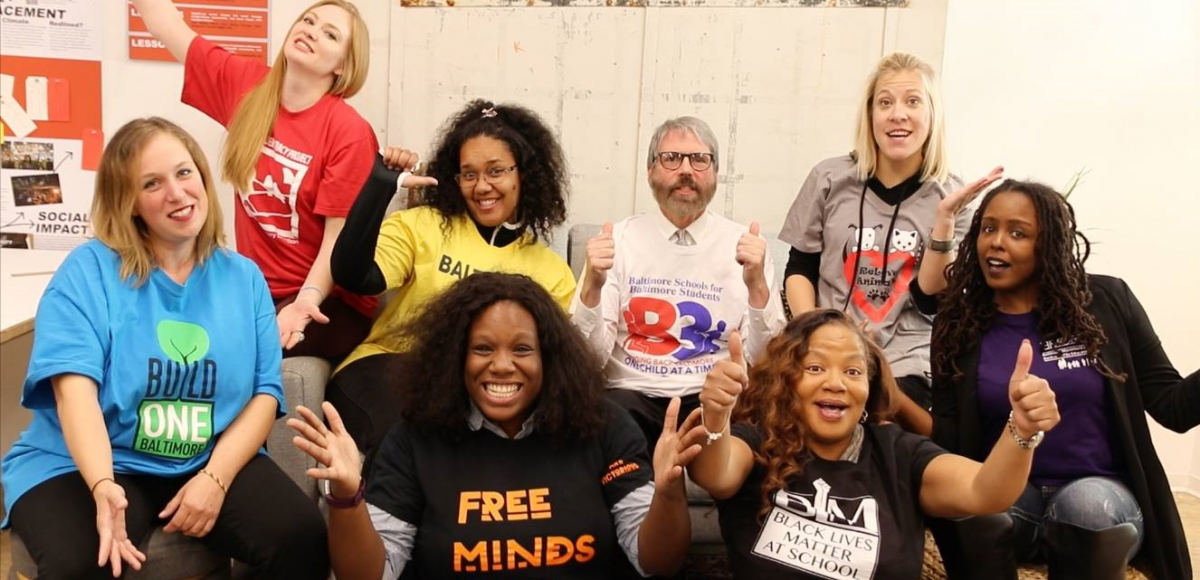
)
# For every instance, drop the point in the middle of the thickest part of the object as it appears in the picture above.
(297, 154)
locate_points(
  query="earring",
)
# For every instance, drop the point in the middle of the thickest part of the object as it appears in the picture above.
(863, 420)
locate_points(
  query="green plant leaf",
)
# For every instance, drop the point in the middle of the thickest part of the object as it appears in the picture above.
(182, 342)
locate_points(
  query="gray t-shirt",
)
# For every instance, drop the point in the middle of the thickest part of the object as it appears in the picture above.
(824, 218)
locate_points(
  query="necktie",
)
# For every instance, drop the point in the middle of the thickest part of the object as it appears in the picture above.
(682, 238)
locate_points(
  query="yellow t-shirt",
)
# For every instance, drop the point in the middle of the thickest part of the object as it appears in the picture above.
(419, 259)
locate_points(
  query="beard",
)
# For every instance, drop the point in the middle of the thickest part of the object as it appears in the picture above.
(680, 206)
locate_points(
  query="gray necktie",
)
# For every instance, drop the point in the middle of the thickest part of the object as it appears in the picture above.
(682, 238)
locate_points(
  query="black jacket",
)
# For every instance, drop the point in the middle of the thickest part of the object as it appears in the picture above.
(1152, 385)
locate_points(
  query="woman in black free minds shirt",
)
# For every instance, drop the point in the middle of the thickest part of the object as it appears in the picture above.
(813, 482)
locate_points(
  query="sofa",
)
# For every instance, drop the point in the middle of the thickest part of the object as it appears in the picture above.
(175, 556)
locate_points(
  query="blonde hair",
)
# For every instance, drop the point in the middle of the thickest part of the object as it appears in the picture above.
(866, 151)
(255, 116)
(117, 190)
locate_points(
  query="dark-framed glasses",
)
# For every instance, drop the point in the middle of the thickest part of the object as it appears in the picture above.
(493, 175)
(673, 159)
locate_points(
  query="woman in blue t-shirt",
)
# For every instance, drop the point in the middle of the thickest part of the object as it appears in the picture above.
(813, 482)
(1097, 490)
(153, 382)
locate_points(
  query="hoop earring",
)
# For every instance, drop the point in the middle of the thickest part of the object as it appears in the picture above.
(863, 420)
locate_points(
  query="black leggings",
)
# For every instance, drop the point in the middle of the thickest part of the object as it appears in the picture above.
(364, 394)
(265, 521)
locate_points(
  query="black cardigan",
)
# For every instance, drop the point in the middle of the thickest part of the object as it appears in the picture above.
(1152, 385)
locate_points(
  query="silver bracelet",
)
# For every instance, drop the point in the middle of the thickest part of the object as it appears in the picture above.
(1031, 443)
(719, 433)
(314, 289)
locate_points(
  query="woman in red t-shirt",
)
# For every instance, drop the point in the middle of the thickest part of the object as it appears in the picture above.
(297, 155)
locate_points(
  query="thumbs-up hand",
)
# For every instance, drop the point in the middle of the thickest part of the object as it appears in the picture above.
(722, 386)
(1033, 402)
(752, 254)
(600, 252)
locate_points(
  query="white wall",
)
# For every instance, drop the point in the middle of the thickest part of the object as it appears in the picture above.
(1049, 88)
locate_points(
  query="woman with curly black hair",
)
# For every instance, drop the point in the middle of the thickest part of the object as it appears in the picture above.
(812, 482)
(507, 459)
(1097, 491)
(497, 185)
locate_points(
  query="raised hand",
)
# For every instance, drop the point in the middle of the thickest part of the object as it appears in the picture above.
(676, 446)
(722, 386)
(1033, 402)
(601, 250)
(751, 255)
(331, 447)
(194, 509)
(957, 200)
(407, 160)
(400, 158)
(115, 545)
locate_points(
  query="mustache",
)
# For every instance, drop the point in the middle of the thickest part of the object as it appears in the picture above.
(685, 181)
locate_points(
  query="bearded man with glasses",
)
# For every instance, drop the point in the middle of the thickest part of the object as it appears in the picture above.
(661, 294)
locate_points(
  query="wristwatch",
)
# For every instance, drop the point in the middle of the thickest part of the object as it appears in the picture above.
(942, 246)
(1031, 443)
(339, 503)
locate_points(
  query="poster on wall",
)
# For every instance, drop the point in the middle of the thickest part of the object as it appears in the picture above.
(50, 116)
(239, 26)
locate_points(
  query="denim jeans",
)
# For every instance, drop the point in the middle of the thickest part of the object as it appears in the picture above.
(1091, 503)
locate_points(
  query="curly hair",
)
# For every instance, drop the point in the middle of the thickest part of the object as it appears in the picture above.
(542, 166)
(433, 394)
(772, 404)
(967, 307)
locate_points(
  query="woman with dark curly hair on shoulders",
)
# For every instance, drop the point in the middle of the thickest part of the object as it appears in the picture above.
(1097, 490)
(813, 483)
(507, 460)
(497, 187)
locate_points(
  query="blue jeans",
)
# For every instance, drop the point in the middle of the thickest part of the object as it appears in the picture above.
(1091, 503)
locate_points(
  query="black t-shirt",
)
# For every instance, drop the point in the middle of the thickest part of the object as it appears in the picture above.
(838, 519)
(492, 507)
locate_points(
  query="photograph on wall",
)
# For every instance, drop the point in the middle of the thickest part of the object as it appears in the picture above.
(51, 116)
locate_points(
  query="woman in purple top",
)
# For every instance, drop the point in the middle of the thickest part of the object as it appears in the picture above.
(1097, 493)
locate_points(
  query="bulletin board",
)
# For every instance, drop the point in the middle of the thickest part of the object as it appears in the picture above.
(50, 106)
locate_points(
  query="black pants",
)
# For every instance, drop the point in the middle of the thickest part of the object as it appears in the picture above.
(334, 340)
(648, 412)
(364, 394)
(265, 521)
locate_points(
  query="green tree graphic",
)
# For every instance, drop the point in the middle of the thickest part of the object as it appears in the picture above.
(182, 342)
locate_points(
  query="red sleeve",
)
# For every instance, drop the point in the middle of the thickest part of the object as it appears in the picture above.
(348, 164)
(214, 80)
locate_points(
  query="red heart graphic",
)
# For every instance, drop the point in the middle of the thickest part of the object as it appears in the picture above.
(874, 258)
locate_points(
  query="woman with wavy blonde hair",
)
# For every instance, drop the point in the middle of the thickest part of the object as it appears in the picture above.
(812, 482)
(872, 231)
(297, 155)
(153, 382)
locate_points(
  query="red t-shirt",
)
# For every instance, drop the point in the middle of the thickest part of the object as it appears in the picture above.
(312, 166)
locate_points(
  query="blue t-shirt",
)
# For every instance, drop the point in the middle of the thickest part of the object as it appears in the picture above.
(1080, 445)
(174, 364)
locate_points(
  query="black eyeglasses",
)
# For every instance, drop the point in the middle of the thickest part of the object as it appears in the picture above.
(673, 159)
(493, 175)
